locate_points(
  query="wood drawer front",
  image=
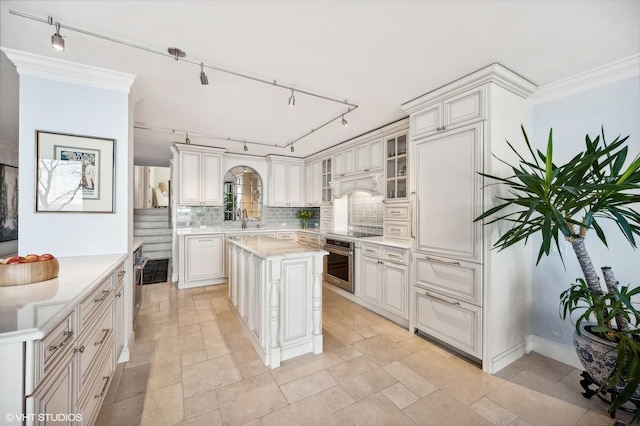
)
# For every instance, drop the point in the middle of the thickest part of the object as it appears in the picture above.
(371, 250)
(89, 404)
(92, 346)
(452, 278)
(400, 230)
(400, 212)
(456, 323)
(395, 255)
(326, 212)
(464, 108)
(303, 238)
(53, 346)
(102, 296)
(286, 235)
(326, 224)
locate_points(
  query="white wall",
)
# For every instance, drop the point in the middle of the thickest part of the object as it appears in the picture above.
(9, 156)
(616, 107)
(76, 109)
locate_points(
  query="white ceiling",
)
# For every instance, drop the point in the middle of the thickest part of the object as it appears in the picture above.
(376, 54)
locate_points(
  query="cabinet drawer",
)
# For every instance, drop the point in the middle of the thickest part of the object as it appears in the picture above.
(326, 212)
(452, 278)
(118, 276)
(101, 296)
(400, 230)
(89, 405)
(286, 235)
(52, 348)
(395, 255)
(370, 250)
(399, 212)
(303, 238)
(456, 323)
(93, 345)
(326, 224)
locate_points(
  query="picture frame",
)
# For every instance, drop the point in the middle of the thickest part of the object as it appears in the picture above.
(74, 173)
(8, 203)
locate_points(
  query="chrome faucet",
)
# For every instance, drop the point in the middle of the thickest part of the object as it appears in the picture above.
(243, 217)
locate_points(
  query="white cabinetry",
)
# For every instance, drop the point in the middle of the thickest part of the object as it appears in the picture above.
(448, 113)
(382, 282)
(285, 181)
(464, 293)
(368, 157)
(344, 162)
(326, 181)
(201, 260)
(313, 183)
(200, 175)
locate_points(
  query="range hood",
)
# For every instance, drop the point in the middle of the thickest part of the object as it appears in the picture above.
(371, 183)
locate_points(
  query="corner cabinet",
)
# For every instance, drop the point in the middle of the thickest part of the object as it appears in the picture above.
(286, 181)
(463, 293)
(200, 175)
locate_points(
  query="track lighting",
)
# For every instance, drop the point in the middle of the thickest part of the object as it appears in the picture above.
(292, 99)
(204, 80)
(292, 149)
(187, 140)
(246, 148)
(345, 123)
(57, 42)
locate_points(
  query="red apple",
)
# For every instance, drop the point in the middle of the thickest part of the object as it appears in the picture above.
(46, 256)
(15, 259)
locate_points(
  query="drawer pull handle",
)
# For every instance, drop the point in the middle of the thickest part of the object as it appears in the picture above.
(395, 213)
(106, 333)
(104, 388)
(119, 294)
(395, 256)
(444, 299)
(105, 293)
(80, 349)
(394, 229)
(381, 262)
(69, 335)
(446, 261)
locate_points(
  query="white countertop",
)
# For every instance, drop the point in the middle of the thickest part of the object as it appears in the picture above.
(264, 246)
(29, 311)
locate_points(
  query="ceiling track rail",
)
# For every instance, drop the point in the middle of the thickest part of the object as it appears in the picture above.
(351, 106)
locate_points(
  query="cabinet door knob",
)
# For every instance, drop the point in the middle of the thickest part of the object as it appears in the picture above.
(80, 349)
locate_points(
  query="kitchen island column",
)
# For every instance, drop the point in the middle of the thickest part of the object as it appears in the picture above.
(281, 284)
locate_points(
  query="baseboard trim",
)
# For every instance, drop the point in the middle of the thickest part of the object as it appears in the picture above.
(505, 358)
(553, 350)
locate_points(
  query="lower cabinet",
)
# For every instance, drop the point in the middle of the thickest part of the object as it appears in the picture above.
(201, 260)
(382, 280)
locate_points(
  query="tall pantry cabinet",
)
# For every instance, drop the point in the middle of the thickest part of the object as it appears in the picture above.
(463, 293)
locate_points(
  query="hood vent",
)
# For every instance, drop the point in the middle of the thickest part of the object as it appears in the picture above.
(370, 183)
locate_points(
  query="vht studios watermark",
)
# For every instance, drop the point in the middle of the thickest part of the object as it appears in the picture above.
(43, 417)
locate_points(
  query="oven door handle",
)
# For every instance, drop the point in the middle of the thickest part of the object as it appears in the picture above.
(140, 265)
(331, 249)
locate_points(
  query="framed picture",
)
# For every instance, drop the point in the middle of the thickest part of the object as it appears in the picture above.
(74, 173)
(8, 203)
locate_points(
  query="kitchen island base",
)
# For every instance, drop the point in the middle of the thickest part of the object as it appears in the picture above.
(275, 288)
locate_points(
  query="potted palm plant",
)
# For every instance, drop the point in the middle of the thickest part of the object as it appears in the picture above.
(567, 201)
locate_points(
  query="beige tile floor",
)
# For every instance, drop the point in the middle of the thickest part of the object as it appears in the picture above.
(193, 365)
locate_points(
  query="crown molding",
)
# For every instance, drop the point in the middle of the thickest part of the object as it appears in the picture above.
(69, 72)
(614, 72)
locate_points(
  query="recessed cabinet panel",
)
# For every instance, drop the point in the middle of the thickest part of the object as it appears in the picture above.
(426, 121)
(461, 280)
(464, 108)
(371, 290)
(456, 323)
(449, 194)
(296, 320)
(212, 193)
(190, 178)
(204, 257)
(394, 297)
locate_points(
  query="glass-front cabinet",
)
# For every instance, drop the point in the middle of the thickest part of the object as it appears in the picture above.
(326, 180)
(396, 153)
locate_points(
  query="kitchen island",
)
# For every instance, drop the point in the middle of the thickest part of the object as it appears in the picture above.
(275, 287)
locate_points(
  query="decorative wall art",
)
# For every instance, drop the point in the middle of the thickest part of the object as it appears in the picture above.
(8, 203)
(74, 173)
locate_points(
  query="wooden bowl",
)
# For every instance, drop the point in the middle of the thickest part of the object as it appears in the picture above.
(27, 273)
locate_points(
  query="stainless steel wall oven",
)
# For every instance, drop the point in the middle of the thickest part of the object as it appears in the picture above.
(338, 265)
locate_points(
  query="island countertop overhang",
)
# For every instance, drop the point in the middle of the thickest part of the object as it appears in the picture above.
(265, 246)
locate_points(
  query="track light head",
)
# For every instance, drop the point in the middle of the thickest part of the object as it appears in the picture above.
(204, 80)
(187, 140)
(292, 99)
(246, 148)
(57, 42)
(345, 123)
(292, 149)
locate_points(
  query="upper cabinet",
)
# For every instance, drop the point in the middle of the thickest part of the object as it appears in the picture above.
(449, 113)
(344, 162)
(313, 183)
(396, 156)
(285, 181)
(368, 157)
(326, 181)
(200, 182)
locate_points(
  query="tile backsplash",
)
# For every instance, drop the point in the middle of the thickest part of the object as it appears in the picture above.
(366, 213)
(272, 217)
